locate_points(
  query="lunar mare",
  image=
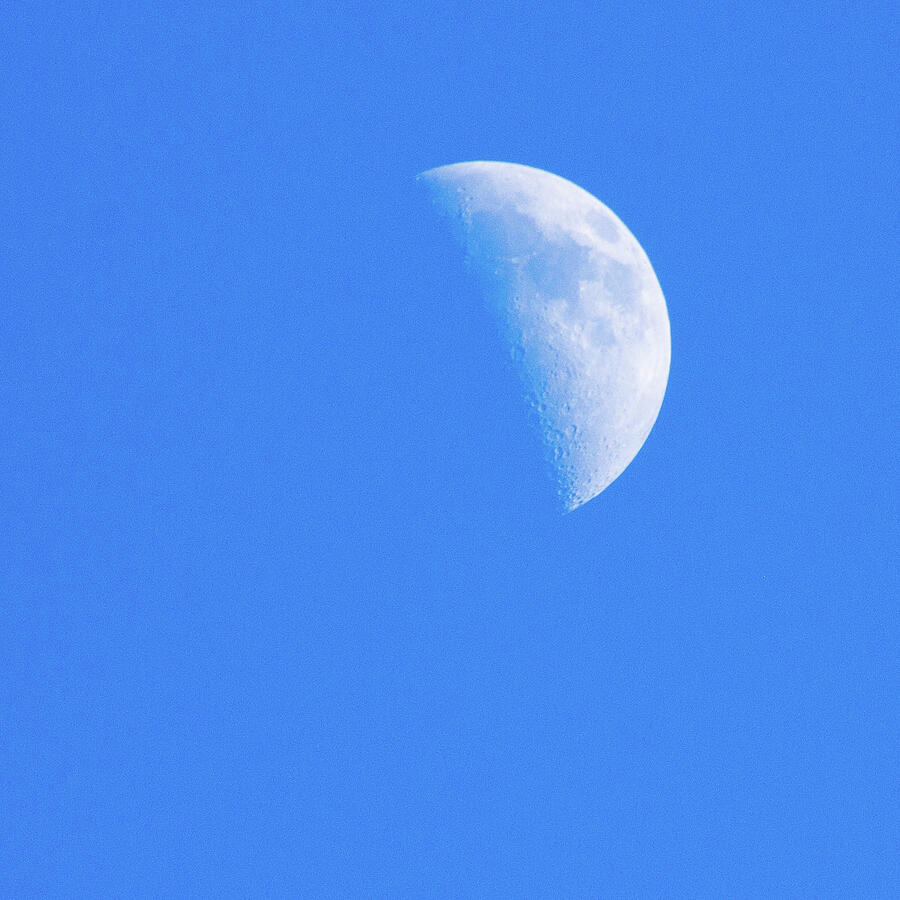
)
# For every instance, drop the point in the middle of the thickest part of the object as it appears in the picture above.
(578, 306)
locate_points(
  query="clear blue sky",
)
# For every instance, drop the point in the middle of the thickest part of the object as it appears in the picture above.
(282, 612)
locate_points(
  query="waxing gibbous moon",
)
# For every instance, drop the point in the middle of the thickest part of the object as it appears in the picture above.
(578, 306)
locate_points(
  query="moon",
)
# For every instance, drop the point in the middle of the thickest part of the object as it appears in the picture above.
(579, 309)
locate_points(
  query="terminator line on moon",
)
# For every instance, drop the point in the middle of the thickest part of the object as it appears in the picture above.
(578, 304)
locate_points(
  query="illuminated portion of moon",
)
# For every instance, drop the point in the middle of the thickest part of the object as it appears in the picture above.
(578, 306)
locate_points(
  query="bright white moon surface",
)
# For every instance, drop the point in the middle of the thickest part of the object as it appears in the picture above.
(579, 308)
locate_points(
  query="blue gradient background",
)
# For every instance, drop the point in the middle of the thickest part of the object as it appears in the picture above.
(283, 609)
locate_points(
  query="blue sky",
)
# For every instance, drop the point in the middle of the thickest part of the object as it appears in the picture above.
(284, 611)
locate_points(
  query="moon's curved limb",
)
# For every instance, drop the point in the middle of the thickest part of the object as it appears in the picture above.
(579, 306)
